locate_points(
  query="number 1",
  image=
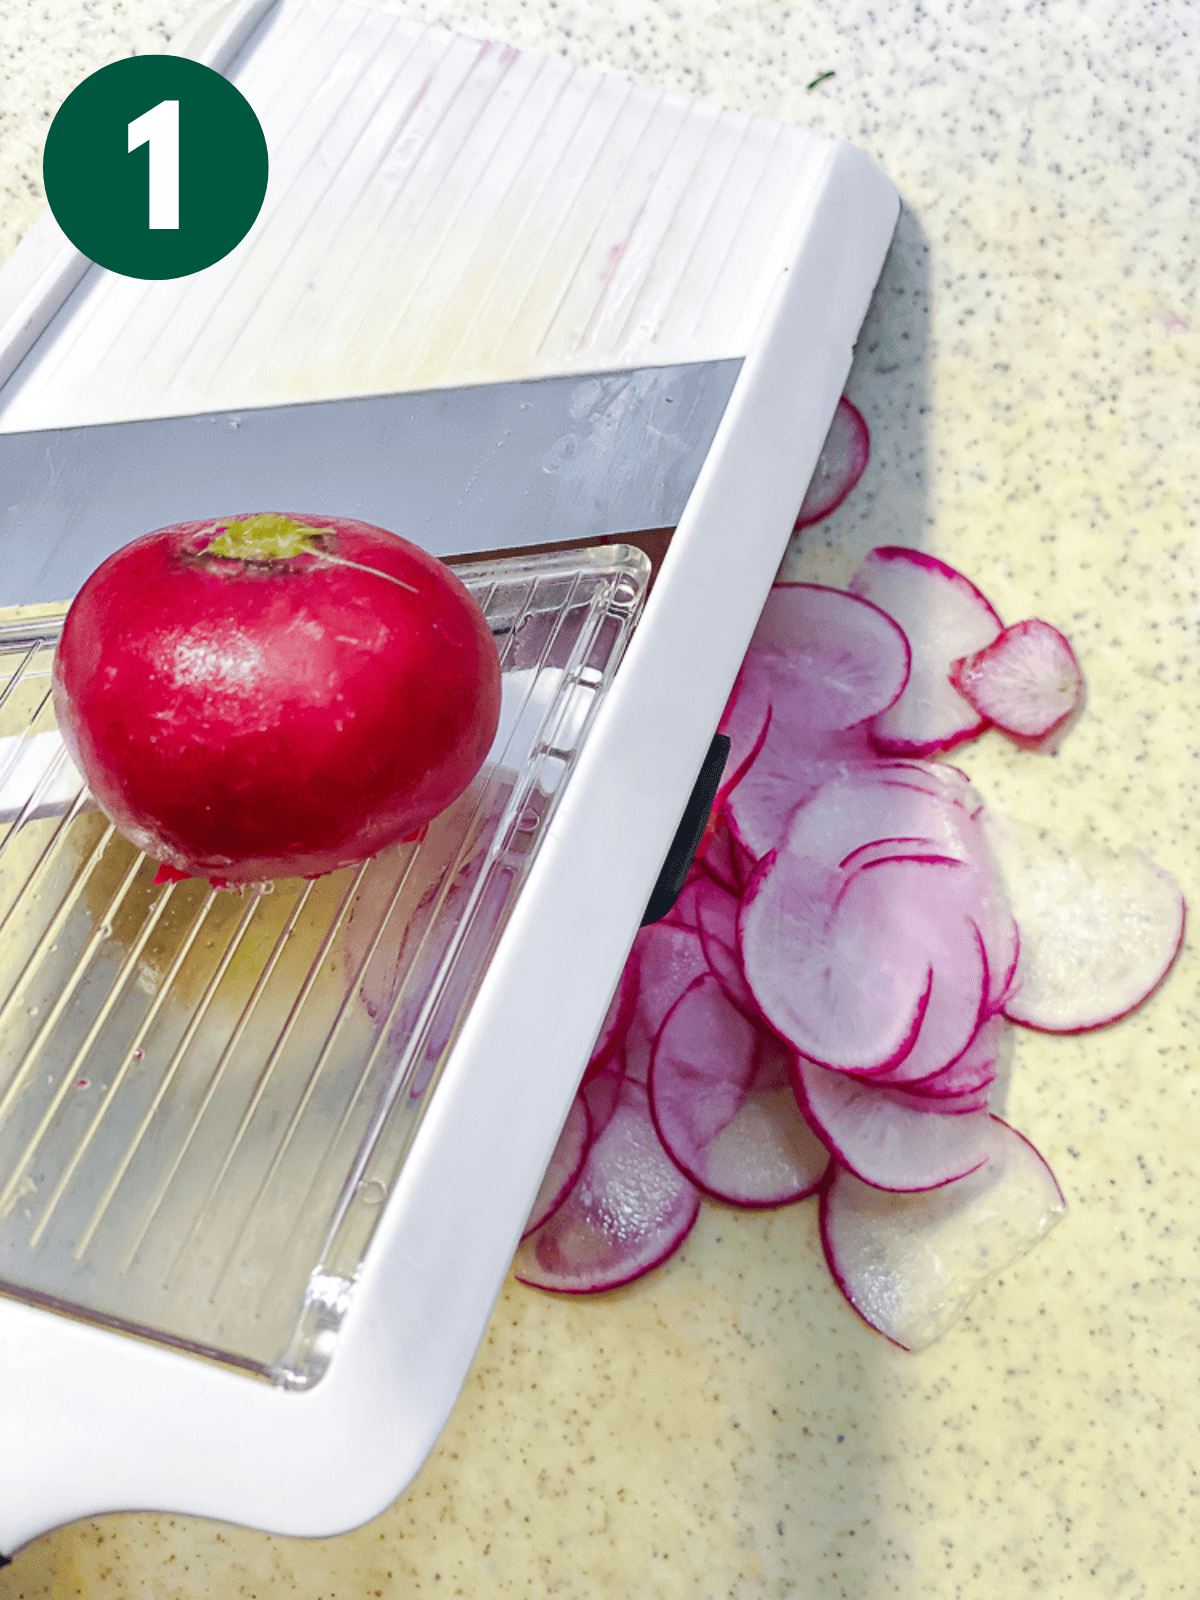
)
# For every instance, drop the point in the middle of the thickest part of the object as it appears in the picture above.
(159, 128)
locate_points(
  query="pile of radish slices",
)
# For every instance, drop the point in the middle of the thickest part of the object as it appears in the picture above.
(824, 1009)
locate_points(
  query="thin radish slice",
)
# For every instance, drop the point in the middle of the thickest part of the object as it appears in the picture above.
(842, 461)
(668, 958)
(629, 1210)
(1100, 929)
(823, 659)
(953, 948)
(945, 618)
(616, 1018)
(717, 911)
(1027, 681)
(972, 1072)
(565, 1164)
(722, 1103)
(946, 1105)
(842, 823)
(683, 914)
(910, 1264)
(744, 723)
(783, 777)
(882, 1139)
(719, 855)
(837, 987)
(601, 1093)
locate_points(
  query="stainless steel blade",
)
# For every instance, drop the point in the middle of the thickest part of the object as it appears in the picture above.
(490, 467)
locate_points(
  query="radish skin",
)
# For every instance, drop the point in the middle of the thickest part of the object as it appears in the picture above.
(270, 696)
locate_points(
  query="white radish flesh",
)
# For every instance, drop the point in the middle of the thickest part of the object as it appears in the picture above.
(952, 947)
(823, 659)
(783, 776)
(909, 1264)
(882, 1138)
(944, 617)
(1100, 929)
(881, 804)
(837, 987)
(971, 1072)
(717, 916)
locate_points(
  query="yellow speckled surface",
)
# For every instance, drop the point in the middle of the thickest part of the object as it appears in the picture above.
(1030, 373)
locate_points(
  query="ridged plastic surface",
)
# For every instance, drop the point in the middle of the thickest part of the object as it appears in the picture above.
(441, 211)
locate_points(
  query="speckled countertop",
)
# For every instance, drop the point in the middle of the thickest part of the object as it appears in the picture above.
(1029, 371)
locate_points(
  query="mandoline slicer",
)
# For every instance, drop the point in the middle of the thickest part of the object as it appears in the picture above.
(264, 1160)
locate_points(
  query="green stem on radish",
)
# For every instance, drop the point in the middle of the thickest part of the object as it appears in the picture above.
(270, 536)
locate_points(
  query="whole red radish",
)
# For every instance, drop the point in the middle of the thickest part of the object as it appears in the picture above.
(266, 696)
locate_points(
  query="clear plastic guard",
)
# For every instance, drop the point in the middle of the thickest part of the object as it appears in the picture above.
(206, 1097)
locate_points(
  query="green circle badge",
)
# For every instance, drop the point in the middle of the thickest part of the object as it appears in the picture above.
(155, 167)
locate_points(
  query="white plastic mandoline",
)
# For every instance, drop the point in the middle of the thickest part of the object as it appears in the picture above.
(441, 212)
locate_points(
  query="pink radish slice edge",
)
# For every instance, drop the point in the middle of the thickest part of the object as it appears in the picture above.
(724, 1109)
(822, 659)
(945, 618)
(822, 976)
(842, 461)
(909, 1264)
(630, 1208)
(1100, 929)
(880, 1137)
(565, 1165)
(1027, 681)
(616, 1018)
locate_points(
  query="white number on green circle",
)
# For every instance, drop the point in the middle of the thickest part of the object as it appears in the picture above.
(159, 128)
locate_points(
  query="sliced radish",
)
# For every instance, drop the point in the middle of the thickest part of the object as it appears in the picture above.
(784, 775)
(683, 914)
(822, 659)
(876, 811)
(601, 1094)
(668, 957)
(1027, 681)
(953, 948)
(629, 1210)
(717, 911)
(909, 1264)
(721, 857)
(1099, 929)
(882, 1138)
(945, 1105)
(837, 987)
(971, 1072)
(565, 1164)
(616, 1018)
(945, 618)
(842, 461)
(723, 1105)
(744, 723)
